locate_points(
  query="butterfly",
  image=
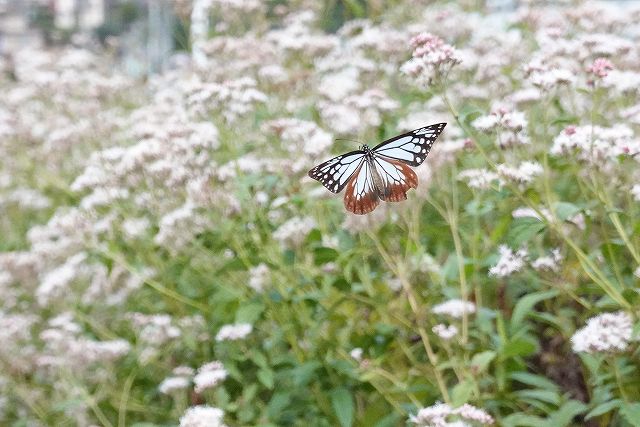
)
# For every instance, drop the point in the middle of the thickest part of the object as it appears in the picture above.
(379, 173)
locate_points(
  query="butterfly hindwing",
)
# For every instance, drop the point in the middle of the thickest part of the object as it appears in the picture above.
(335, 173)
(361, 196)
(397, 179)
(411, 147)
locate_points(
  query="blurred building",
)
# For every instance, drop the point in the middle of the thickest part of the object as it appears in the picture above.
(80, 14)
(142, 29)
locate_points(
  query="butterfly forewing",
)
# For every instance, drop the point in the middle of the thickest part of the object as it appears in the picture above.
(335, 173)
(411, 147)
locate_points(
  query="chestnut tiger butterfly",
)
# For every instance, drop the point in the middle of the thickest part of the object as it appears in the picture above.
(379, 173)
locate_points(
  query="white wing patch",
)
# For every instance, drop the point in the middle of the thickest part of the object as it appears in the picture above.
(390, 173)
(361, 195)
(364, 182)
(335, 173)
(411, 147)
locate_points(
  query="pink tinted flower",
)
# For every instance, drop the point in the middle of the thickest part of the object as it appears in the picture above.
(600, 67)
(431, 57)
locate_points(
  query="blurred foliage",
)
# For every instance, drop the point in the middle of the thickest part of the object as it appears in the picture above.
(118, 19)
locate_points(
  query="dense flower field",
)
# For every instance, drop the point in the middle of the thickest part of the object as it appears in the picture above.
(165, 259)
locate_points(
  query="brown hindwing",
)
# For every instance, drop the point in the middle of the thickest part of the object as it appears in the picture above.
(397, 191)
(364, 204)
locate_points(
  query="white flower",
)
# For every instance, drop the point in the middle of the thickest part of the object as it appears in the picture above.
(292, 233)
(501, 117)
(480, 179)
(234, 332)
(258, 277)
(549, 263)
(531, 213)
(550, 78)
(471, 413)
(635, 192)
(135, 227)
(439, 415)
(521, 174)
(395, 284)
(608, 332)
(356, 353)
(203, 416)
(454, 308)
(509, 262)
(596, 144)
(171, 384)
(486, 123)
(209, 376)
(183, 371)
(445, 332)
(435, 415)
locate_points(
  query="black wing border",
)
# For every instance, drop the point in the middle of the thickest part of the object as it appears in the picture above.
(412, 133)
(319, 177)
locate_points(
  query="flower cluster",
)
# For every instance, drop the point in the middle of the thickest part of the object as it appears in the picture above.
(596, 144)
(440, 415)
(209, 376)
(432, 58)
(455, 308)
(509, 262)
(234, 332)
(203, 416)
(607, 332)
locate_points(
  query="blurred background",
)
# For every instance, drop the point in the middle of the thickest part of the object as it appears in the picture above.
(162, 247)
(147, 36)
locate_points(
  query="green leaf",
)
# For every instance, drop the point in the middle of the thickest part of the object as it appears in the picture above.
(278, 402)
(480, 361)
(533, 380)
(343, 406)
(546, 396)
(631, 412)
(303, 373)
(526, 304)
(259, 359)
(468, 112)
(563, 416)
(461, 392)
(565, 210)
(523, 229)
(266, 377)
(324, 255)
(522, 420)
(603, 408)
(450, 268)
(249, 313)
(388, 421)
(479, 208)
(635, 334)
(518, 347)
(565, 120)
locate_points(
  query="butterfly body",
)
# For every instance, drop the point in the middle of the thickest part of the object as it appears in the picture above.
(382, 173)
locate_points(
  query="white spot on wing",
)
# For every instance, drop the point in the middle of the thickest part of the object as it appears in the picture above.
(397, 153)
